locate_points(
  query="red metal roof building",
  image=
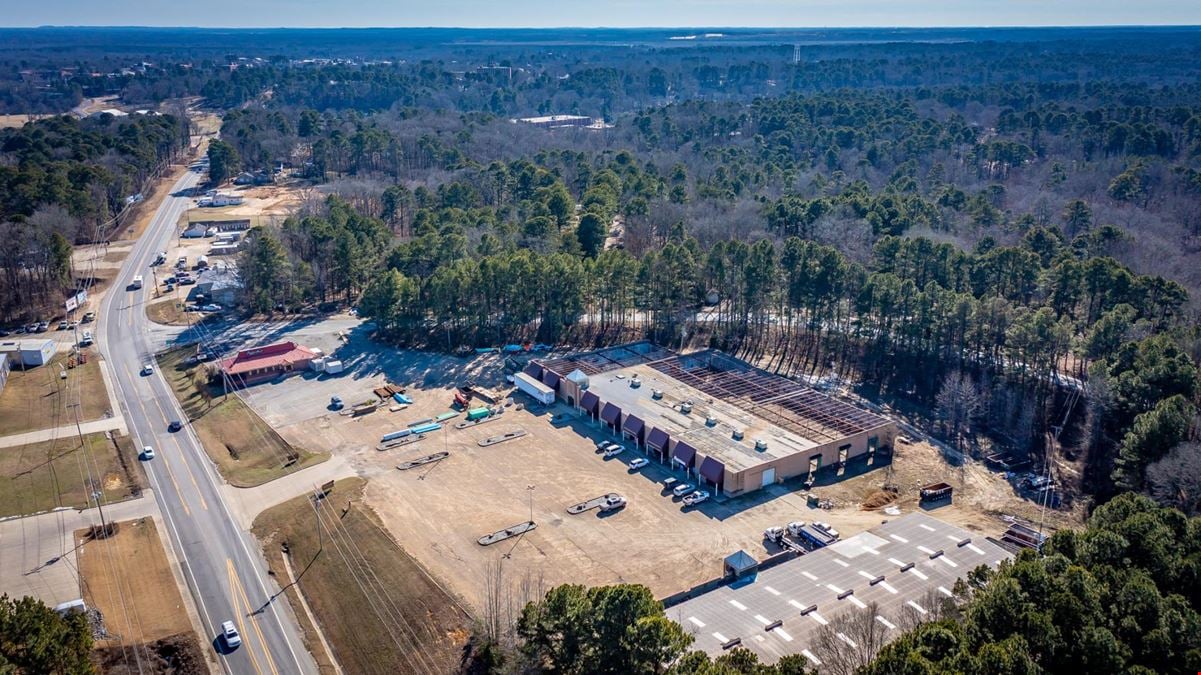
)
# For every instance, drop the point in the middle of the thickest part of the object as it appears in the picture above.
(263, 363)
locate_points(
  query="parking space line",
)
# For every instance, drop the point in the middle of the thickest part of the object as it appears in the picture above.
(834, 588)
(796, 604)
(844, 638)
(888, 587)
(781, 633)
(842, 562)
(738, 605)
(720, 637)
(887, 624)
(696, 622)
(925, 527)
(869, 549)
(762, 619)
(817, 617)
(948, 561)
(866, 575)
(771, 590)
(919, 574)
(808, 576)
(809, 655)
(944, 591)
(899, 538)
(976, 549)
(857, 602)
(896, 562)
(916, 606)
(925, 550)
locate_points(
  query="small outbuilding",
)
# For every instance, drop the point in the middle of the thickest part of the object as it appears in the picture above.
(29, 353)
(739, 565)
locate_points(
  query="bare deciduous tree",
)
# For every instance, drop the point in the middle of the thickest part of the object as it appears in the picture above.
(1175, 479)
(960, 401)
(851, 640)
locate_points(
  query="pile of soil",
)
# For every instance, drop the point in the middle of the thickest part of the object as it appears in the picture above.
(173, 655)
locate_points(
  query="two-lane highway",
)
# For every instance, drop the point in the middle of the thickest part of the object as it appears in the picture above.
(224, 569)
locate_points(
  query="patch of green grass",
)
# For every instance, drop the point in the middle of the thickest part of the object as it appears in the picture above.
(247, 451)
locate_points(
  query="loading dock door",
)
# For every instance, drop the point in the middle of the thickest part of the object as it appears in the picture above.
(842, 458)
(769, 477)
(815, 463)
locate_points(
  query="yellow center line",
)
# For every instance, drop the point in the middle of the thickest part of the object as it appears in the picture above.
(167, 464)
(253, 622)
(233, 581)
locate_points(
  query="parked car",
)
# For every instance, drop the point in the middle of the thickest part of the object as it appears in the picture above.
(63, 325)
(638, 463)
(827, 528)
(212, 308)
(229, 634)
(696, 498)
(86, 339)
(335, 403)
(614, 450)
(147, 452)
(613, 502)
(606, 446)
(683, 489)
(89, 317)
(174, 426)
(187, 281)
(43, 326)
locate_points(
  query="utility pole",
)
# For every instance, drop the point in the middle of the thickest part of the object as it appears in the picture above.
(530, 490)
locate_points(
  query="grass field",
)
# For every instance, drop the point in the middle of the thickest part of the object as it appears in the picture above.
(379, 610)
(42, 476)
(128, 578)
(167, 312)
(33, 399)
(246, 449)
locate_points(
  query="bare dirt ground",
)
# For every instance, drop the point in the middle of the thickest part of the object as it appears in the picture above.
(17, 121)
(418, 627)
(128, 578)
(437, 512)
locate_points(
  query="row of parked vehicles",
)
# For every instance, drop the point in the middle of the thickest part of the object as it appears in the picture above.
(688, 494)
(44, 326)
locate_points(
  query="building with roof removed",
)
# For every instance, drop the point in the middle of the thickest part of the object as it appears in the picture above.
(897, 571)
(264, 363)
(735, 427)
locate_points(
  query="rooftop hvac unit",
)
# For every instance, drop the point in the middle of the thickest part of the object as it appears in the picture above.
(635, 383)
(737, 434)
(710, 421)
(686, 407)
(760, 444)
(656, 394)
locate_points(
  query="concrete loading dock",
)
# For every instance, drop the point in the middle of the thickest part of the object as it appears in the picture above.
(734, 427)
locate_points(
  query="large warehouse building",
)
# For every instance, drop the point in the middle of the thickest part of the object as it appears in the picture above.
(735, 427)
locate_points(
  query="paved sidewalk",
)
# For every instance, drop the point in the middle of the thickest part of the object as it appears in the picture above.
(37, 553)
(115, 423)
(247, 503)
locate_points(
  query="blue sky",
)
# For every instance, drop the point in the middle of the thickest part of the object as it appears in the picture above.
(617, 13)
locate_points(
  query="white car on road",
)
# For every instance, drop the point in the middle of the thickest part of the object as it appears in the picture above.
(229, 633)
(638, 463)
(147, 452)
(147, 368)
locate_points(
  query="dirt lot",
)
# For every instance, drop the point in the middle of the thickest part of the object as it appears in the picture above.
(42, 476)
(246, 450)
(33, 399)
(423, 630)
(436, 513)
(128, 578)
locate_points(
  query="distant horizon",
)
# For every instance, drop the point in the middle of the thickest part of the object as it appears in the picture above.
(603, 27)
(615, 14)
